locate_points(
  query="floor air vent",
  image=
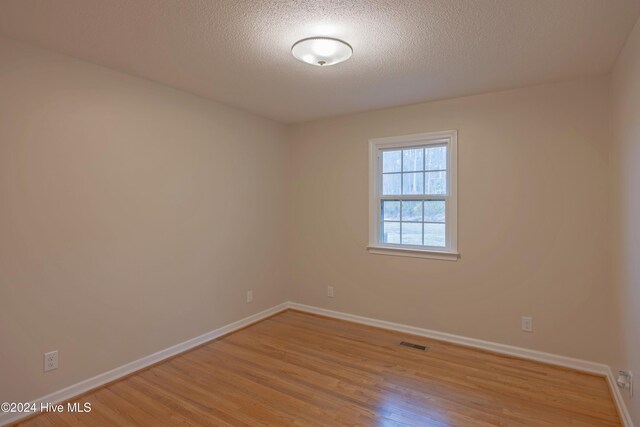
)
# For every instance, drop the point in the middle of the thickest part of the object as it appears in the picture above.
(412, 345)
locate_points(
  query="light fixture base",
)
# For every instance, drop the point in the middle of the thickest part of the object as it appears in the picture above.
(322, 51)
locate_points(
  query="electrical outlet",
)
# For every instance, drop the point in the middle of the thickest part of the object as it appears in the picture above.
(625, 381)
(330, 291)
(51, 361)
(527, 324)
(249, 296)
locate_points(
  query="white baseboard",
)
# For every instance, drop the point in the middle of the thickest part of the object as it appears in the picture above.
(524, 353)
(112, 375)
(539, 356)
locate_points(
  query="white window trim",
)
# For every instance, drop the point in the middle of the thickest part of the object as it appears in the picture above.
(450, 251)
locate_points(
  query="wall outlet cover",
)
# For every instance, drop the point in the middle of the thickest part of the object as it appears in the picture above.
(51, 361)
(527, 324)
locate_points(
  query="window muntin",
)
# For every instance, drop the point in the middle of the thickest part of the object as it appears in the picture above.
(414, 204)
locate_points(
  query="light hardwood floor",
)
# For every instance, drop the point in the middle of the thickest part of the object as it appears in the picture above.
(301, 369)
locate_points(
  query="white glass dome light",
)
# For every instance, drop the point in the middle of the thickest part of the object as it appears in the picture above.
(321, 51)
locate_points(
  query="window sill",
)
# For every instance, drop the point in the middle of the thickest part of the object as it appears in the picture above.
(414, 253)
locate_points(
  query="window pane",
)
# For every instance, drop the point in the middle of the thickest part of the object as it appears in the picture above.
(413, 160)
(391, 161)
(391, 184)
(434, 211)
(434, 235)
(391, 210)
(412, 210)
(411, 233)
(413, 183)
(436, 158)
(391, 232)
(436, 183)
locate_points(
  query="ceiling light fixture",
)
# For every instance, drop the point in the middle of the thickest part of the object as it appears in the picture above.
(321, 51)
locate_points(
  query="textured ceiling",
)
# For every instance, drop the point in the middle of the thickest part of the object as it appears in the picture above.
(405, 51)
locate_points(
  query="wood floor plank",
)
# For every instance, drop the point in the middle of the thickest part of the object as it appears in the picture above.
(307, 370)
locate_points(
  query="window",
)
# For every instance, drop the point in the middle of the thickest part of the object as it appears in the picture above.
(413, 195)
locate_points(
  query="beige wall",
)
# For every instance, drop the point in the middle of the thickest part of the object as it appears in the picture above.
(533, 233)
(132, 217)
(626, 213)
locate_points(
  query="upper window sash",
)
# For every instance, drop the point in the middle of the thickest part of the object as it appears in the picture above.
(430, 168)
